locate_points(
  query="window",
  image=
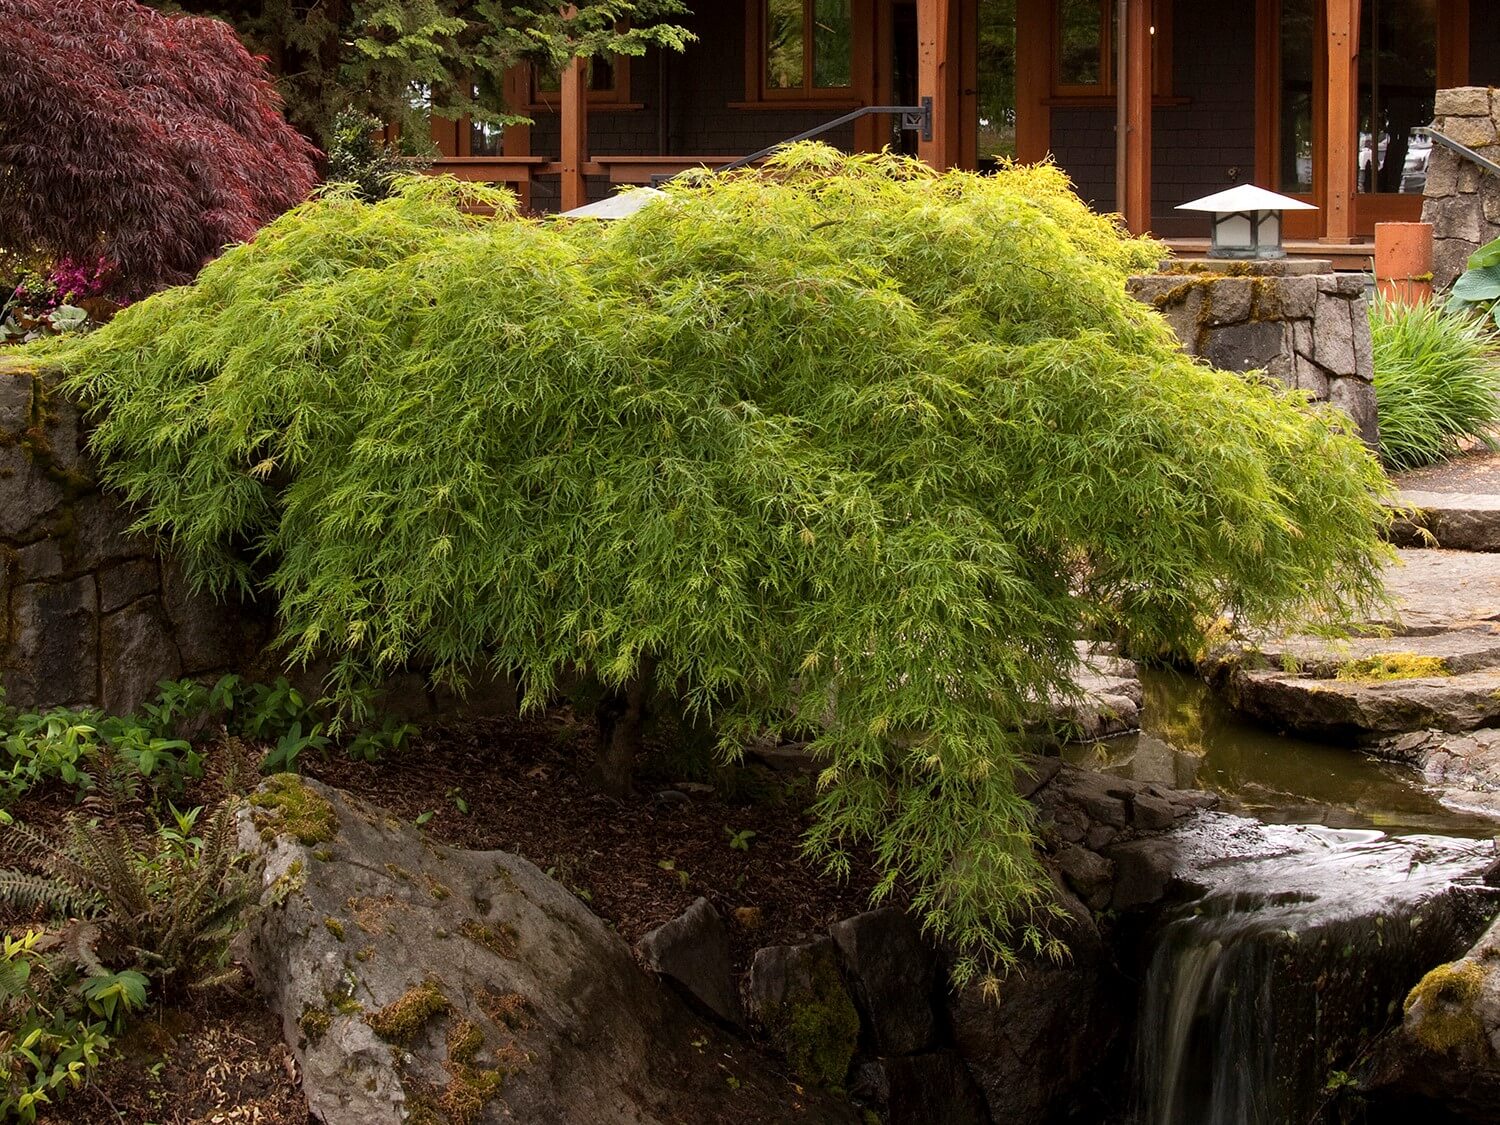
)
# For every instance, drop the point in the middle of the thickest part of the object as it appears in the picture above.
(1085, 42)
(608, 83)
(1398, 57)
(804, 48)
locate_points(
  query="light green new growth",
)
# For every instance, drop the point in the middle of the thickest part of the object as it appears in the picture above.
(850, 450)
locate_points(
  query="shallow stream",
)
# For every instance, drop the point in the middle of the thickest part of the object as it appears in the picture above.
(1191, 740)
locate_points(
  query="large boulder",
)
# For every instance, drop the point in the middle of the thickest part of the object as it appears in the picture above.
(419, 983)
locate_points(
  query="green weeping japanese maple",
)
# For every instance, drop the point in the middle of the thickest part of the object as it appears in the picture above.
(843, 450)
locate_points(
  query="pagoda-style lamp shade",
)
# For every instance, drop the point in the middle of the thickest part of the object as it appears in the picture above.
(1247, 221)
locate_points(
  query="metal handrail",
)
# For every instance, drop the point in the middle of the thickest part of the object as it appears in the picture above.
(1463, 150)
(917, 118)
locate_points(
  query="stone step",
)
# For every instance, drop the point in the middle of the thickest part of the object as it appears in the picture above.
(1439, 591)
(1459, 521)
(1455, 653)
(1359, 709)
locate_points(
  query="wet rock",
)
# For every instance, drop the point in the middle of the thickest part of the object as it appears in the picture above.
(692, 950)
(893, 973)
(1032, 1047)
(1144, 871)
(1037, 773)
(1463, 768)
(921, 1089)
(1089, 874)
(1150, 813)
(798, 996)
(412, 978)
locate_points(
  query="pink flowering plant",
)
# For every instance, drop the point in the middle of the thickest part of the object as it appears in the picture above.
(67, 297)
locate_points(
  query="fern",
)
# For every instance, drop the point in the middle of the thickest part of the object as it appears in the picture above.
(134, 895)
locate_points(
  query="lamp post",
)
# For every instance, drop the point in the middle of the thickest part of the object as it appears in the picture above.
(1247, 221)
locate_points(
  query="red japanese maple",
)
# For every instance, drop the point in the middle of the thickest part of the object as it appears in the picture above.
(150, 140)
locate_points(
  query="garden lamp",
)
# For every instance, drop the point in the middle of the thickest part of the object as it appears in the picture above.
(1247, 221)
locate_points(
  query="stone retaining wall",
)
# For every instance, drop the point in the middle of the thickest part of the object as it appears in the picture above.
(90, 615)
(1462, 201)
(1309, 329)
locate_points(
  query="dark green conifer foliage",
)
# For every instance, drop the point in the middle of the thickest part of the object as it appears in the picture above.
(847, 450)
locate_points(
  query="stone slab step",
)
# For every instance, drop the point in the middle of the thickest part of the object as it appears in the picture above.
(1439, 591)
(1468, 650)
(1358, 710)
(1460, 521)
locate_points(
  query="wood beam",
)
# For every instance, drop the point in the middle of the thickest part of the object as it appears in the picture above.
(934, 77)
(1343, 119)
(1137, 83)
(1033, 79)
(574, 114)
(1453, 43)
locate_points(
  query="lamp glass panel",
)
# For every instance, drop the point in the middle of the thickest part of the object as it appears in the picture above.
(1234, 230)
(1268, 232)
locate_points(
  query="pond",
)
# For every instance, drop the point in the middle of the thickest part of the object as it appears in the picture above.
(1191, 740)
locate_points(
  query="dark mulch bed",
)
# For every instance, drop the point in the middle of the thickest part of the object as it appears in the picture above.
(218, 1062)
(637, 862)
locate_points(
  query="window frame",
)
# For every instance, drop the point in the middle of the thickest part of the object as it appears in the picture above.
(760, 93)
(1106, 87)
(550, 101)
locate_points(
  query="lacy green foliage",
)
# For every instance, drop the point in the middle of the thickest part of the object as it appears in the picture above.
(1437, 383)
(846, 450)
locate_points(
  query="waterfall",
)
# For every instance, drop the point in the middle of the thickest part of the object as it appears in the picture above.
(1261, 992)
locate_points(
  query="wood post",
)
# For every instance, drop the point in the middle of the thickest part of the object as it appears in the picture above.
(575, 133)
(1343, 119)
(1033, 79)
(934, 76)
(1135, 87)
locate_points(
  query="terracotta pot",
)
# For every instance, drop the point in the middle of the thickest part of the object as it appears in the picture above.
(1403, 261)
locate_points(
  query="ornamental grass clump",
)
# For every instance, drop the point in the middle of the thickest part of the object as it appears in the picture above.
(1437, 382)
(842, 450)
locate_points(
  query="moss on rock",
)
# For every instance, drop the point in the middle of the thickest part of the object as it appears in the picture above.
(1441, 1012)
(400, 1020)
(817, 1027)
(1392, 666)
(289, 807)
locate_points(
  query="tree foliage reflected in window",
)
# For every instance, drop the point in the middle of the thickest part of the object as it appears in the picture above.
(809, 45)
(997, 79)
(1085, 36)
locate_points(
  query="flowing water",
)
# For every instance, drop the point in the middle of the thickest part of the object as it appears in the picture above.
(1314, 917)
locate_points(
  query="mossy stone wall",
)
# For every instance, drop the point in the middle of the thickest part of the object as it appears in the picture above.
(90, 615)
(1310, 330)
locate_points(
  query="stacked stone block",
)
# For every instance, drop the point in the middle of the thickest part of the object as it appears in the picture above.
(89, 614)
(1462, 200)
(1294, 320)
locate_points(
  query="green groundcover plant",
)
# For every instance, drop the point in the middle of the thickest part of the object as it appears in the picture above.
(1437, 382)
(843, 450)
